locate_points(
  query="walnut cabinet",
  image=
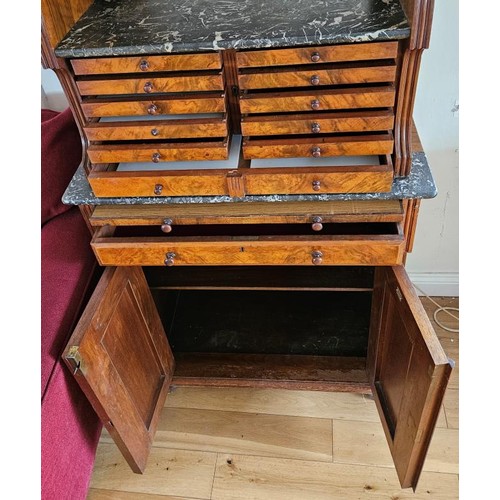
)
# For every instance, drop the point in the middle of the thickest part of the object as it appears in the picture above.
(304, 293)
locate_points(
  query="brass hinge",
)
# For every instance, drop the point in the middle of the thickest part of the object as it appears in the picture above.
(74, 359)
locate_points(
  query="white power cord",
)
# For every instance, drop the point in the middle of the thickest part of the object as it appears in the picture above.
(446, 309)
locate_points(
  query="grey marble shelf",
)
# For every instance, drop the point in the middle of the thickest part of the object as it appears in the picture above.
(419, 184)
(132, 27)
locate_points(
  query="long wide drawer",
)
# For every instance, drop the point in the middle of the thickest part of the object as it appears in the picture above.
(316, 213)
(347, 244)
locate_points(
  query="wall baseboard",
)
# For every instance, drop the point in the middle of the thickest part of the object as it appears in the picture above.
(436, 284)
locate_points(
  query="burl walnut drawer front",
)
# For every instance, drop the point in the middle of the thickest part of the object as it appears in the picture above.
(181, 128)
(323, 100)
(159, 105)
(316, 55)
(335, 122)
(316, 147)
(146, 64)
(151, 85)
(342, 244)
(340, 75)
(160, 152)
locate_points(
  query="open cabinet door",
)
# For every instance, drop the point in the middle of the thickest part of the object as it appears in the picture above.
(408, 371)
(120, 357)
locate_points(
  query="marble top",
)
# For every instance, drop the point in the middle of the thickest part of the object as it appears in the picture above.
(419, 184)
(131, 27)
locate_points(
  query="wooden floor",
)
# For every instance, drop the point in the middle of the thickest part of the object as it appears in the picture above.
(278, 444)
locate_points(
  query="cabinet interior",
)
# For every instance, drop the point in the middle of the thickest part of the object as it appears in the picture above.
(266, 326)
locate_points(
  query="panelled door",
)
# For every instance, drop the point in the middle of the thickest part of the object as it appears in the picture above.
(121, 358)
(408, 371)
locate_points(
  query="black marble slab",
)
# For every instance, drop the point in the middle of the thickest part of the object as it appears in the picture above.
(419, 184)
(131, 27)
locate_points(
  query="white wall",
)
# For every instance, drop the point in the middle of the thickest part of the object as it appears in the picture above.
(433, 265)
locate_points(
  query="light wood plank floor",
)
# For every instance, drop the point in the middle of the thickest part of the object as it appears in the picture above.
(229, 444)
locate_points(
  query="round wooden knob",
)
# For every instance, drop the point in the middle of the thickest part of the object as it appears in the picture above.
(316, 151)
(317, 223)
(166, 227)
(315, 104)
(170, 259)
(155, 157)
(158, 188)
(154, 132)
(316, 185)
(315, 57)
(315, 128)
(148, 87)
(144, 65)
(315, 80)
(317, 257)
(152, 109)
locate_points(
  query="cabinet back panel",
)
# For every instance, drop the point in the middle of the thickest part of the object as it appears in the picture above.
(258, 322)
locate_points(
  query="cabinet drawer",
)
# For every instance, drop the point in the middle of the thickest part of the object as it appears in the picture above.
(153, 85)
(315, 55)
(157, 129)
(140, 106)
(376, 144)
(317, 77)
(307, 100)
(313, 213)
(155, 153)
(110, 184)
(146, 64)
(320, 180)
(360, 121)
(338, 244)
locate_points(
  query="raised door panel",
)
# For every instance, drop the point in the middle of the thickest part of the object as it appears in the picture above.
(120, 357)
(408, 371)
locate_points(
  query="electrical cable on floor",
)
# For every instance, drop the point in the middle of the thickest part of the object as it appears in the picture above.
(446, 309)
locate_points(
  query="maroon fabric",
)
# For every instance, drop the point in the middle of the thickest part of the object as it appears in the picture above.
(70, 433)
(67, 266)
(61, 155)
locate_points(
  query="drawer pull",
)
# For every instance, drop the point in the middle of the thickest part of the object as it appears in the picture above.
(154, 132)
(152, 109)
(315, 57)
(170, 259)
(166, 227)
(316, 151)
(317, 223)
(158, 189)
(317, 257)
(148, 87)
(315, 80)
(155, 157)
(316, 185)
(315, 104)
(144, 65)
(315, 128)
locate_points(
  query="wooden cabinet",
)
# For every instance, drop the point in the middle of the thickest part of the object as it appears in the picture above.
(292, 118)
(119, 352)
